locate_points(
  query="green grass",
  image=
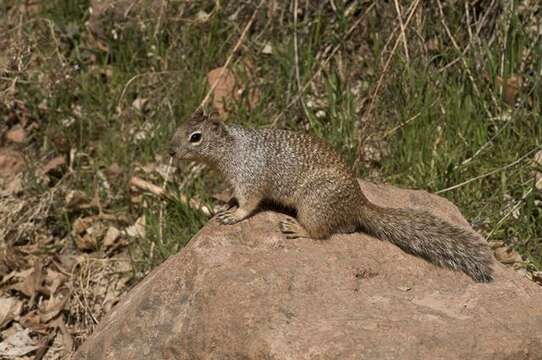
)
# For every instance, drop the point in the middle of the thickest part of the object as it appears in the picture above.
(449, 116)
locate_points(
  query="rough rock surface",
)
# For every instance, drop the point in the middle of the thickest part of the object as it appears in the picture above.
(245, 292)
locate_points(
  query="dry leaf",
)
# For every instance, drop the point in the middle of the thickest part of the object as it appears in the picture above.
(53, 164)
(510, 88)
(87, 231)
(66, 263)
(4, 62)
(12, 260)
(267, 49)
(18, 344)
(148, 167)
(494, 244)
(229, 87)
(13, 187)
(113, 171)
(433, 44)
(67, 339)
(32, 320)
(31, 7)
(538, 181)
(86, 242)
(53, 281)
(140, 104)
(16, 276)
(202, 16)
(144, 132)
(537, 162)
(111, 237)
(31, 284)
(75, 199)
(11, 163)
(80, 225)
(17, 135)
(224, 90)
(137, 229)
(10, 308)
(507, 255)
(165, 171)
(49, 309)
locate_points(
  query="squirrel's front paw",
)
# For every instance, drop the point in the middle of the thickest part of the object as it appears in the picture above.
(228, 217)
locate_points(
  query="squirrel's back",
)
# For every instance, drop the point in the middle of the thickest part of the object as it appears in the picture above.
(287, 162)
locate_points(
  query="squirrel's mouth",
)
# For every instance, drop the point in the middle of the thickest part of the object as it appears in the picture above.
(179, 155)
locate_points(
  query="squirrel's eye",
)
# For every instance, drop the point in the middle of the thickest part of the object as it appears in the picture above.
(195, 137)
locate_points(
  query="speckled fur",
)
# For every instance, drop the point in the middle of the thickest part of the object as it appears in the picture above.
(304, 172)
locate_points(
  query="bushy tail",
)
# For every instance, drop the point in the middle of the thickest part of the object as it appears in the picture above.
(424, 235)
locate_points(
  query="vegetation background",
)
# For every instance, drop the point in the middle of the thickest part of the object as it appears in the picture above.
(440, 95)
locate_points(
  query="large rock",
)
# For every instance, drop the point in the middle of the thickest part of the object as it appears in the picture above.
(245, 292)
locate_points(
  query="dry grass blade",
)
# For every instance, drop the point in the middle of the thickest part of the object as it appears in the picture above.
(321, 65)
(296, 58)
(161, 192)
(374, 95)
(403, 31)
(230, 58)
(510, 212)
(507, 166)
(462, 58)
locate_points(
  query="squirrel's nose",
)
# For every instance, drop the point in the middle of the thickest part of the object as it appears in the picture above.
(172, 152)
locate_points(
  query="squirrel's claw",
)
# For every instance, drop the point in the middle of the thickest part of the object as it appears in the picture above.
(292, 230)
(227, 217)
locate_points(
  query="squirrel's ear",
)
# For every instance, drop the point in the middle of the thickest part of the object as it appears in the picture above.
(199, 114)
(197, 117)
(217, 125)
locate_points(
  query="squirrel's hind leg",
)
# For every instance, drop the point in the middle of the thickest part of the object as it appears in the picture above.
(292, 229)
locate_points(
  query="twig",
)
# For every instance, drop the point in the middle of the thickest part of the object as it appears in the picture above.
(133, 78)
(472, 37)
(412, 10)
(159, 21)
(45, 343)
(321, 66)
(296, 59)
(467, 15)
(403, 33)
(483, 147)
(489, 173)
(229, 59)
(403, 124)
(160, 192)
(391, 131)
(296, 50)
(462, 57)
(162, 205)
(489, 8)
(507, 215)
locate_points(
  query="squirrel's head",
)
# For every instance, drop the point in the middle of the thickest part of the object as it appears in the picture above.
(201, 138)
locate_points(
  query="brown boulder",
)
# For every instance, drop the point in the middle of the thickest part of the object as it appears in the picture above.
(245, 292)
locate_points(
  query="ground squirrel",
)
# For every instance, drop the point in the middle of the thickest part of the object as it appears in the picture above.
(305, 173)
